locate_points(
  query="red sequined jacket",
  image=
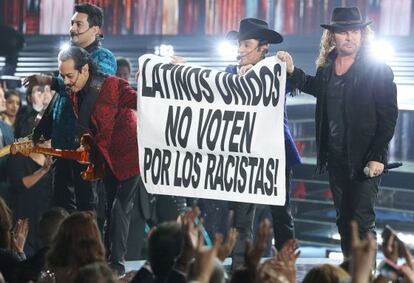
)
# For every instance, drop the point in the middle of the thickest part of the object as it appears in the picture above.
(115, 121)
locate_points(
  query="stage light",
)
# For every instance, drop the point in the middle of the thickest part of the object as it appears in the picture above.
(331, 254)
(336, 236)
(164, 50)
(64, 46)
(382, 50)
(408, 239)
(227, 50)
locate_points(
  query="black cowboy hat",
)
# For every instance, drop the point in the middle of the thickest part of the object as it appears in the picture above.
(346, 18)
(251, 28)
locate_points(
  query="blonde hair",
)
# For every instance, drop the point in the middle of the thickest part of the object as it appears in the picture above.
(328, 44)
(326, 273)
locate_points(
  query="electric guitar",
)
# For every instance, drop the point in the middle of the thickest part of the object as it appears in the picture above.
(93, 172)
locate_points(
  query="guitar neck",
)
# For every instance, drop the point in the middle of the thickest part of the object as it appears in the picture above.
(82, 156)
(5, 150)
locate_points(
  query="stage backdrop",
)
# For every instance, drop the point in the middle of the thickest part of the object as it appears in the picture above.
(203, 17)
(209, 134)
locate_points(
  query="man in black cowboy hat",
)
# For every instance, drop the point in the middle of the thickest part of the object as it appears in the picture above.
(356, 113)
(254, 38)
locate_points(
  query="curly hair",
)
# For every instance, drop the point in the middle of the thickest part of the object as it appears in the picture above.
(328, 44)
(77, 243)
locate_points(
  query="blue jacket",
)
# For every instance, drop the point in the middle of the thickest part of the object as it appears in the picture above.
(64, 123)
(291, 152)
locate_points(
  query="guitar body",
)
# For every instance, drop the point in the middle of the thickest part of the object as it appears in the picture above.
(96, 166)
(93, 173)
(4, 150)
(90, 155)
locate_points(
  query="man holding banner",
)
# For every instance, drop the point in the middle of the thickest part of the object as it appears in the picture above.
(215, 135)
(254, 38)
(356, 114)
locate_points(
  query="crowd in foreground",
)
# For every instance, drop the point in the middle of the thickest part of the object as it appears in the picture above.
(72, 251)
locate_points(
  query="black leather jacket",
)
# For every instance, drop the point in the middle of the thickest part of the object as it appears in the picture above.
(371, 110)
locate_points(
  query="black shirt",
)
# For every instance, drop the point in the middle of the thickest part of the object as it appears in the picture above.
(335, 103)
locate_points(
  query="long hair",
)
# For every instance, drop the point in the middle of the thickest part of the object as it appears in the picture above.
(77, 243)
(80, 57)
(5, 225)
(328, 44)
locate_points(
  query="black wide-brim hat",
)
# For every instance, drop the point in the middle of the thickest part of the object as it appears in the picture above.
(251, 28)
(346, 18)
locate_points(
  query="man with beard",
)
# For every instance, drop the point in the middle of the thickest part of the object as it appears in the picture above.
(356, 114)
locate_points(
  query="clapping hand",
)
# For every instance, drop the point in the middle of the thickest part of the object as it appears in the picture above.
(19, 235)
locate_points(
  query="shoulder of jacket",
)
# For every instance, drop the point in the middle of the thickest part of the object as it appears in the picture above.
(231, 69)
(102, 51)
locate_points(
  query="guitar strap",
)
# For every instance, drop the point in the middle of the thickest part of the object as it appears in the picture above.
(88, 105)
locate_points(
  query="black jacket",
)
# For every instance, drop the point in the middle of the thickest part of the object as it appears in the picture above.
(371, 110)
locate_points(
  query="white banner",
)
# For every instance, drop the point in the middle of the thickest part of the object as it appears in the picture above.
(209, 134)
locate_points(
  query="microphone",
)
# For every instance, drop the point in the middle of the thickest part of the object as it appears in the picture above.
(248, 53)
(387, 168)
(72, 34)
(68, 88)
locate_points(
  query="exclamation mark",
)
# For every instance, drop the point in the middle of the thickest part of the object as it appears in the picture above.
(276, 170)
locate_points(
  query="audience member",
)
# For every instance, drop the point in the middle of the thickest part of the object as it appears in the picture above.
(49, 224)
(77, 243)
(327, 273)
(38, 98)
(97, 272)
(6, 138)
(11, 241)
(123, 70)
(13, 104)
(31, 184)
(218, 275)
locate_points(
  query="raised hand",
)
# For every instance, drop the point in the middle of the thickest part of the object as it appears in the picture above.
(408, 268)
(285, 262)
(363, 253)
(268, 272)
(390, 248)
(227, 247)
(191, 237)
(20, 234)
(254, 251)
(204, 262)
